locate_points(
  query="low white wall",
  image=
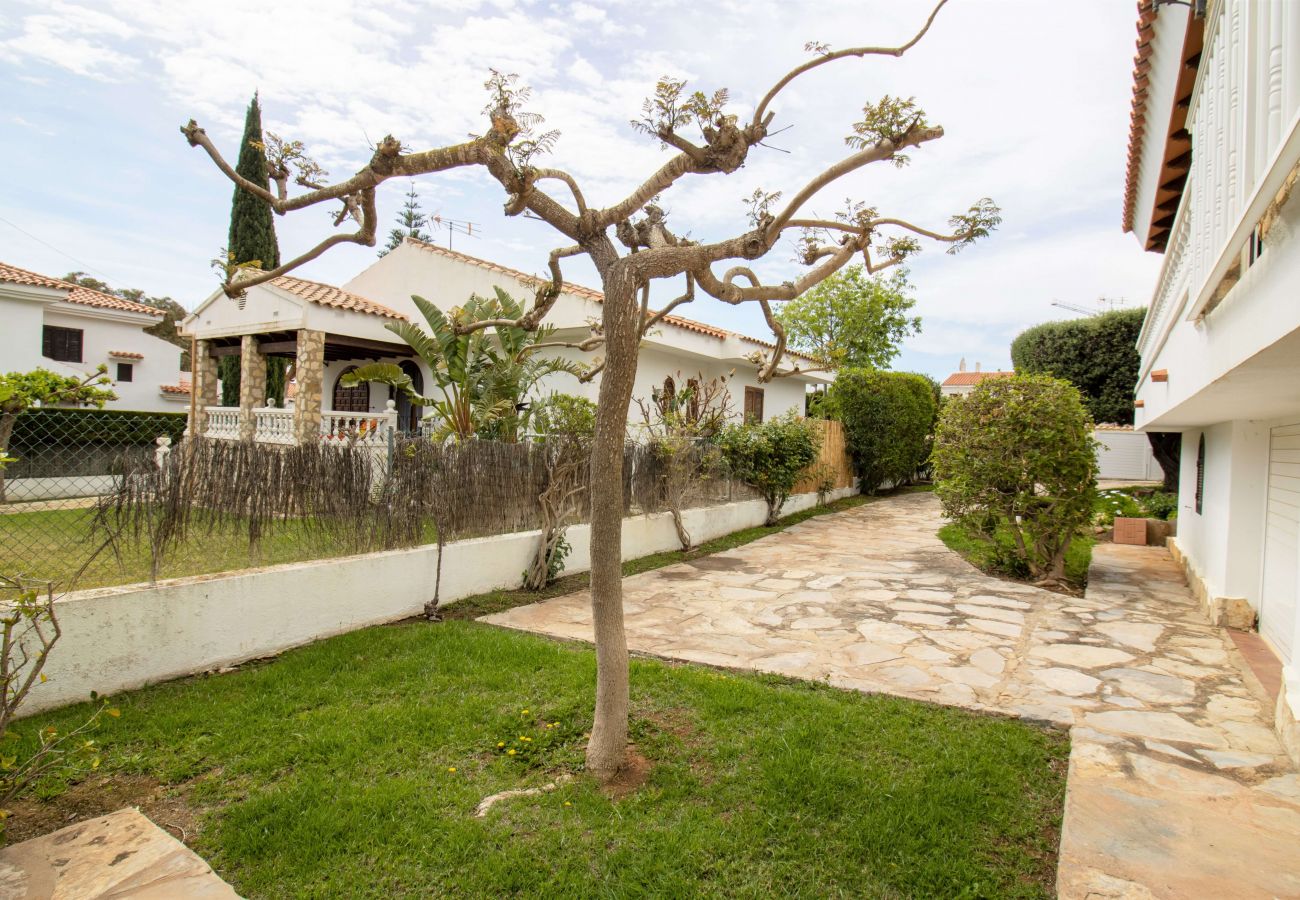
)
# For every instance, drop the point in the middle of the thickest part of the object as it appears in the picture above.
(60, 487)
(119, 638)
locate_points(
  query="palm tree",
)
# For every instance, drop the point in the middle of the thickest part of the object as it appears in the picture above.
(481, 384)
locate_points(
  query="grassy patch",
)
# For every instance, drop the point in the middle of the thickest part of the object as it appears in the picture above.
(328, 772)
(498, 601)
(53, 544)
(996, 557)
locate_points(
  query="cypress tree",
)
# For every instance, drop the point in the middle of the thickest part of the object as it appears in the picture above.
(252, 238)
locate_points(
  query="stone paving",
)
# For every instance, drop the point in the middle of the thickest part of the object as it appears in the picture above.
(1178, 785)
(121, 855)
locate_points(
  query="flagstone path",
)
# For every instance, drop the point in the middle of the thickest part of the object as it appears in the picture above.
(1178, 786)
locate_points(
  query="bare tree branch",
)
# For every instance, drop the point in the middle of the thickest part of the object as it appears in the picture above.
(761, 115)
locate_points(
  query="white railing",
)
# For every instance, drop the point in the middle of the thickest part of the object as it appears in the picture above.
(273, 425)
(223, 422)
(370, 429)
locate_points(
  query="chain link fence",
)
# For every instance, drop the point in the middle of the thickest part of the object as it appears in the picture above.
(130, 498)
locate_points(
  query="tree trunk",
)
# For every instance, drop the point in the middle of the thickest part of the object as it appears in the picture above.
(1167, 447)
(607, 749)
(7, 421)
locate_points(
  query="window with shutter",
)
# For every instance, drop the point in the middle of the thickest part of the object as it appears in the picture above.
(753, 404)
(1200, 474)
(61, 344)
(125, 372)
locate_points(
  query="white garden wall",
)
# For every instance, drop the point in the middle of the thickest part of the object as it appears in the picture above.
(115, 639)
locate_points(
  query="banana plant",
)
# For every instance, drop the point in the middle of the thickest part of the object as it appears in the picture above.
(481, 383)
(514, 369)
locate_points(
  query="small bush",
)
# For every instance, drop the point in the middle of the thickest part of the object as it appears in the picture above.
(1114, 503)
(888, 420)
(771, 456)
(561, 414)
(1161, 505)
(1018, 454)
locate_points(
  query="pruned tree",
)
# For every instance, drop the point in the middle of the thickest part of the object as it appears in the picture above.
(631, 245)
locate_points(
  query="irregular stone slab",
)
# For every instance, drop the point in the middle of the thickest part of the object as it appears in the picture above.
(1139, 635)
(1067, 681)
(1083, 656)
(992, 612)
(1150, 686)
(967, 675)
(886, 632)
(921, 619)
(120, 855)
(1233, 760)
(1161, 726)
(988, 660)
(991, 600)
(1006, 629)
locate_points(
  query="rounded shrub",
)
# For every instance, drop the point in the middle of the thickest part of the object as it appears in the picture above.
(888, 420)
(771, 457)
(1015, 465)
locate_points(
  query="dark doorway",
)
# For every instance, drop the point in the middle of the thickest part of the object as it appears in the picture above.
(408, 413)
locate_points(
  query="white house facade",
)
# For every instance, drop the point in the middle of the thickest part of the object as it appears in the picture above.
(328, 330)
(1214, 158)
(72, 330)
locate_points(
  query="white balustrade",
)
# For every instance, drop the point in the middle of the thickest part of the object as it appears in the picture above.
(223, 423)
(273, 425)
(368, 429)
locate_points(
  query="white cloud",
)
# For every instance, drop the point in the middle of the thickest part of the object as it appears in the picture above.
(1035, 115)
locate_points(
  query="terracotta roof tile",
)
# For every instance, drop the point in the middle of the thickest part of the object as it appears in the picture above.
(1137, 114)
(126, 354)
(182, 388)
(328, 295)
(957, 379)
(592, 294)
(76, 293)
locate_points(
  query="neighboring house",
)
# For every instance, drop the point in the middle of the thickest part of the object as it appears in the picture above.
(71, 330)
(1214, 156)
(329, 330)
(962, 382)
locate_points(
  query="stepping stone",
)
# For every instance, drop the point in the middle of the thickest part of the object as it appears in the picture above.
(967, 675)
(1132, 634)
(120, 855)
(922, 619)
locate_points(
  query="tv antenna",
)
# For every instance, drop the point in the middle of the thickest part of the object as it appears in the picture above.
(454, 227)
(1103, 305)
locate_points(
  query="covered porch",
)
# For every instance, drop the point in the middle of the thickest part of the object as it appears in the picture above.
(318, 406)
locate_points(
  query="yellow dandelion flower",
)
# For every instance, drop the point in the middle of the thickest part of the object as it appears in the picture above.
(501, 743)
(523, 712)
(451, 768)
(567, 803)
(511, 751)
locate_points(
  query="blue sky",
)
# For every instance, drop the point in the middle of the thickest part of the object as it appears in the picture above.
(1033, 96)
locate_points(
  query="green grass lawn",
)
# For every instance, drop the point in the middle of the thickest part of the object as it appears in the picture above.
(53, 544)
(329, 773)
(994, 558)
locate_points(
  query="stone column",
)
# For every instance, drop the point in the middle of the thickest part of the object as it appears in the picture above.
(309, 377)
(252, 385)
(203, 384)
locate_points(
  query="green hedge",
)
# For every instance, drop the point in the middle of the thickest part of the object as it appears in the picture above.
(40, 428)
(888, 420)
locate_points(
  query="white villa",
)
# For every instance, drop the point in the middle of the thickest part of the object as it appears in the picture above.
(1213, 160)
(71, 330)
(328, 330)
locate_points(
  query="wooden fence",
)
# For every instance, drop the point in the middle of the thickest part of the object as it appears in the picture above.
(833, 454)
